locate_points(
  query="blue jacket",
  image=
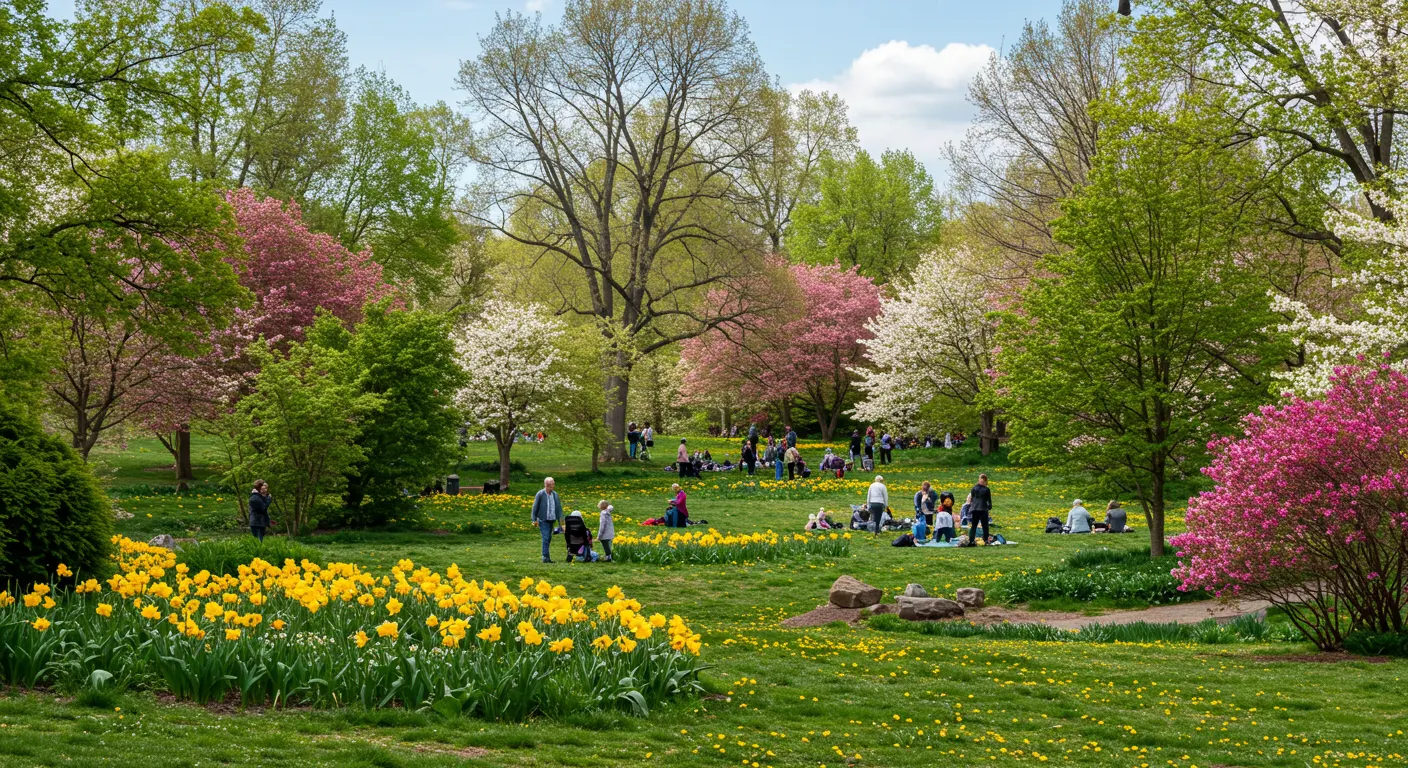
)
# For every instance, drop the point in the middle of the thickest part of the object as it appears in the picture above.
(546, 506)
(791, 439)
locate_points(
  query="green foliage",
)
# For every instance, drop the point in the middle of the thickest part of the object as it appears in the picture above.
(878, 217)
(1118, 576)
(225, 556)
(1245, 629)
(51, 508)
(303, 422)
(1150, 334)
(581, 411)
(1377, 643)
(406, 359)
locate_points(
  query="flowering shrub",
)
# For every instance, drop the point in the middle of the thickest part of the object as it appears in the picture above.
(336, 635)
(1310, 510)
(713, 547)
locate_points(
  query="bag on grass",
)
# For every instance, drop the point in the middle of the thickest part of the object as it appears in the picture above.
(906, 540)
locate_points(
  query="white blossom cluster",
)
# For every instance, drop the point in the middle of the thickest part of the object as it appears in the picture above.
(933, 339)
(511, 355)
(1382, 285)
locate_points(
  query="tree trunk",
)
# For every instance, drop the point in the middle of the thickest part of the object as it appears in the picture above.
(1155, 516)
(617, 387)
(725, 419)
(356, 492)
(505, 445)
(987, 435)
(784, 409)
(184, 473)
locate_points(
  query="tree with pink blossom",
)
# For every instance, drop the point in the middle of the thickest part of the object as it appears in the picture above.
(1310, 511)
(805, 350)
(293, 273)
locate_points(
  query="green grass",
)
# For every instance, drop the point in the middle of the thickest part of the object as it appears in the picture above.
(791, 697)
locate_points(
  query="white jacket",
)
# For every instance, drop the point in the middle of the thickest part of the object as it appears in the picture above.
(606, 527)
(878, 494)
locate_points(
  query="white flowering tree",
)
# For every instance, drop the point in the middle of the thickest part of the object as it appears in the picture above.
(1380, 328)
(933, 340)
(512, 357)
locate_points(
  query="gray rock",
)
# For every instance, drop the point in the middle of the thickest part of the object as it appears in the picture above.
(164, 540)
(971, 597)
(914, 590)
(849, 592)
(928, 608)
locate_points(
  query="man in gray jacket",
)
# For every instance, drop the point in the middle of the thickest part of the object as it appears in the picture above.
(547, 510)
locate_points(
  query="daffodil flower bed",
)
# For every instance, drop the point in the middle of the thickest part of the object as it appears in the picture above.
(711, 546)
(336, 636)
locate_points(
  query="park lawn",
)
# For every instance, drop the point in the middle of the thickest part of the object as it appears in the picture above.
(833, 695)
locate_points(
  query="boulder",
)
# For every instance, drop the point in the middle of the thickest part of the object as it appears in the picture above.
(971, 597)
(928, 608)
(914, 590)
(164, 540)
(850, 592)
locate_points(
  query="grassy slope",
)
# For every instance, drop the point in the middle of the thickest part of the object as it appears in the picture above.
(787, 697)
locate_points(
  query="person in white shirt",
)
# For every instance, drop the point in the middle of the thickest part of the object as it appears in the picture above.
(878, 498)
(1078, 521)
(943, 525)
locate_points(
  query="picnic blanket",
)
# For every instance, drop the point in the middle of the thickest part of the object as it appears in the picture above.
(932, 543)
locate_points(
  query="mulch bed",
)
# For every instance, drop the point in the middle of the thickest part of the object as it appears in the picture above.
(1315, 658)
(828, 613)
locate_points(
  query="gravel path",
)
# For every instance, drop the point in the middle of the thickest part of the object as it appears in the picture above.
(1184, 613)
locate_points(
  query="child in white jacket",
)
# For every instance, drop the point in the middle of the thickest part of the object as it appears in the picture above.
(943, 525)
(605, 527)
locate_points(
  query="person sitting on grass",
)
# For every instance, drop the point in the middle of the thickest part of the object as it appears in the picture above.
(919, 530)
(1079, 519)
(1115, 519)
(943, 522)
(677, 510)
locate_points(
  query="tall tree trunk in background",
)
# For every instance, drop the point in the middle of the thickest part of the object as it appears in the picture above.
(617, 387)
(1154, 511)
(505, 440)
(987, 435)
(185, 473)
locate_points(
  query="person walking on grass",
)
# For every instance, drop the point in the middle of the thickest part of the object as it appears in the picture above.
(259, 500)
(547, 510)
(980, 509)
(878, 500)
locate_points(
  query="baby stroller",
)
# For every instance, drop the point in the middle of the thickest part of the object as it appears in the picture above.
(867, 464)
(578, 538)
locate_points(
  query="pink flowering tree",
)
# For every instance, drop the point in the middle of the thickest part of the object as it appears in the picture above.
(1310, 511)
(293, 273)
(804, 351)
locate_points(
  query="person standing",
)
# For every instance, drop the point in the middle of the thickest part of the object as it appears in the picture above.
(750, 457)
(885, 443)
(855, 446)
(259, 500)
(870, 443)
(878, 500)
(547, 510)
(925, 502)
(753, 437)
(682, 459)
(980, 512)
(647, 436)
(778, 458)
(605, 527)
(794, 462)
(633, 437)
(791, 437)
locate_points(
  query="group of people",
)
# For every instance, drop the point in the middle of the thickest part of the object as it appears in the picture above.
(550, 517)
(1079, 520)
(933, 511)
(639, 440)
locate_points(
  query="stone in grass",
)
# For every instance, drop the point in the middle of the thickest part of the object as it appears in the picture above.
(928, 608)
(164, 540)
(850, 592)
(971, 597)
(914, 590)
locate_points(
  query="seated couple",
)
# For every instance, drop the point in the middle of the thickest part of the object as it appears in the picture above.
(1079, 520)
(820, 521)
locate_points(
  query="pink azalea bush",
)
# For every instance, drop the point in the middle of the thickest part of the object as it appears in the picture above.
(1310, 510)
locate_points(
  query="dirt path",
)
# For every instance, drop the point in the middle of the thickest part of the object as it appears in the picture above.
(1185, 613)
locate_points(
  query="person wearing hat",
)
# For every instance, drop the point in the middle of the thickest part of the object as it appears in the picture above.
(682, 459)
(1078, 520)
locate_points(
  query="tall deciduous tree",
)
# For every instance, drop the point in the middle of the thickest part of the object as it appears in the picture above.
(800, 129)
(609, 147)
(936, 340)
(1034, 135)
(874, 217)
(1317, 79)
(1149, 336)
(512, 363)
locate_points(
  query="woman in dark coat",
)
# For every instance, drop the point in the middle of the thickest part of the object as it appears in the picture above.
(259, 509)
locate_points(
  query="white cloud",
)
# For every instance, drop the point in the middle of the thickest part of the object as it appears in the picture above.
(904, 96)
(534, 6)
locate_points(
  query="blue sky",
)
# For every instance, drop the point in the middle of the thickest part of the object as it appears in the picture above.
(902, 65)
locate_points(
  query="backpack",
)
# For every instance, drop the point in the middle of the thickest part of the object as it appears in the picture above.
(1053, 525)
(905, 540)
